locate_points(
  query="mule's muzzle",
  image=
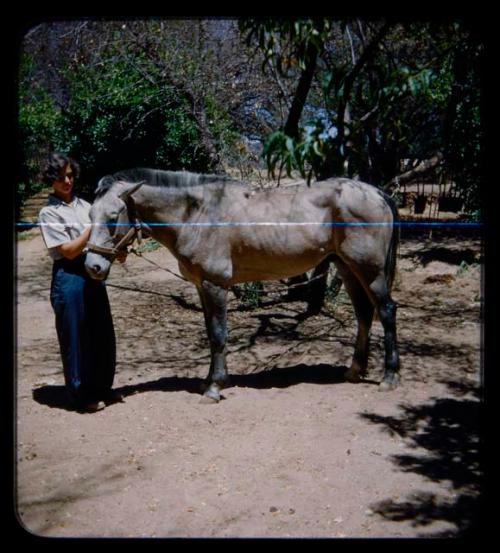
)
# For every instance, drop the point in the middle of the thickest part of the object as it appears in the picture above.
(97, 266)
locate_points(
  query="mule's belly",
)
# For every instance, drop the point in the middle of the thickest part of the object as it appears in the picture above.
(274, 269)
(280, 253)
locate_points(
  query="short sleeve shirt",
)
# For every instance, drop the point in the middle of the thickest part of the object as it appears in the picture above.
(61, 222)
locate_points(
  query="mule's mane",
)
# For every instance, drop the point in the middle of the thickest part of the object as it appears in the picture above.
(156, 177)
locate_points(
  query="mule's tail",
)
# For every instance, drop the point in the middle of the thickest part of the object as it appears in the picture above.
(390, 262)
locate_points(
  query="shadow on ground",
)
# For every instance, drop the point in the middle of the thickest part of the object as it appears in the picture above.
(445, 255)
(55, 396)
(446, 436)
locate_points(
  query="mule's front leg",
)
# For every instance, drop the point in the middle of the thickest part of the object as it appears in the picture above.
(214, 301)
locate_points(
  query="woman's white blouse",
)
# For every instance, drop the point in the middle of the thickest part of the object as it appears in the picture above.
(62, 222)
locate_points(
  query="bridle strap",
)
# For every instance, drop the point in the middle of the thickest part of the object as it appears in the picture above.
(133, 233)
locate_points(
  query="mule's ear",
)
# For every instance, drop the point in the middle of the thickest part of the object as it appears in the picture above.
(129, 188)
(103, 185)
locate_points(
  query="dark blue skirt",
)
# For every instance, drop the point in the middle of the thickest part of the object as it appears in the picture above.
(85, 331)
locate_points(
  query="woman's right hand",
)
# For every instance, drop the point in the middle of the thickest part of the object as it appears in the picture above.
(74, 248)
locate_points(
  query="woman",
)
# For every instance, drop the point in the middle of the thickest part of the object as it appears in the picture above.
(83, 317)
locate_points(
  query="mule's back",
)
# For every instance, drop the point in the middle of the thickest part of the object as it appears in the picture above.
(173, 179)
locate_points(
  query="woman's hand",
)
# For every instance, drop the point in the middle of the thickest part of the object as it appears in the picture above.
(74, 248)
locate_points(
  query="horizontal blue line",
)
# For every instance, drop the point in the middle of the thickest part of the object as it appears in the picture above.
(462, 224)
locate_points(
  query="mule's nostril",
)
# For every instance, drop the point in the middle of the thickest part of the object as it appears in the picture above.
(97, 268)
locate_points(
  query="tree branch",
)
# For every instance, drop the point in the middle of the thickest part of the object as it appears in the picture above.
(197, 111)
(280, 84)
(422, 168)
(352, 75)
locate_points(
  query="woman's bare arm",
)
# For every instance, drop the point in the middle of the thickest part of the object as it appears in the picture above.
(74, 248)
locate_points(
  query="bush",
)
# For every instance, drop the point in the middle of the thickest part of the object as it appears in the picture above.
(113, 119)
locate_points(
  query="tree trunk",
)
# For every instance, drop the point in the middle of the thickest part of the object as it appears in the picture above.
(300, 97)
(207, 140)
(334, 166)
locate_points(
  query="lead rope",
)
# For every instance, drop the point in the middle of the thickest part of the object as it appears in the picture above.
(261, 292)
(139, 254)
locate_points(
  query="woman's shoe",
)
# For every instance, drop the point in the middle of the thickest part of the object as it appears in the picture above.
(92, 407)
(113, 397)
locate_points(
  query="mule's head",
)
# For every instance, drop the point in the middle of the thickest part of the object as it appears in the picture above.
(109, 216)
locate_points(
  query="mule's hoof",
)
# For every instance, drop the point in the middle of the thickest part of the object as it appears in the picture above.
(208, 400)
(211, 395)
(389, 383)
(352, 375)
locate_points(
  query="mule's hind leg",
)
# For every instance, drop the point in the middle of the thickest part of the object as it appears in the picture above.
(374, 282)
(214, 302)
(363, 309)
(387, 312)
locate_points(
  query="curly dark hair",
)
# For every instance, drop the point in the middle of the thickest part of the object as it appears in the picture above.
(55, 163)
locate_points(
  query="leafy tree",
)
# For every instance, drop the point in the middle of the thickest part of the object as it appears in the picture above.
(124, 94)
(125, 121)
(369, 94)
(346, 97)
(39, 120)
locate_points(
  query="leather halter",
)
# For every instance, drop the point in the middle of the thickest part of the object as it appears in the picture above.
(135, 232)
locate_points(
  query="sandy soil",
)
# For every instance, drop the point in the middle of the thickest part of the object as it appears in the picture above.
(293, 450)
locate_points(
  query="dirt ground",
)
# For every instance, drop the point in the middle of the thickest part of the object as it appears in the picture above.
(292, 450)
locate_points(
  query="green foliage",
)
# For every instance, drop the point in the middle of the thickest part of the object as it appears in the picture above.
(333, 290)
(473, 215)
(249, 294)
(464, 268)
(221, 124)
(418, 93)
(148, 245)
(120, 112)
(463, 149)
(130, 103)
(23, 235)
(287, 42)
(282, 149)
(117, 119)
(307, 154)
(39, 121)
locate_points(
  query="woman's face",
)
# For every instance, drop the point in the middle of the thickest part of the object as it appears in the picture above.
(63, 186)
